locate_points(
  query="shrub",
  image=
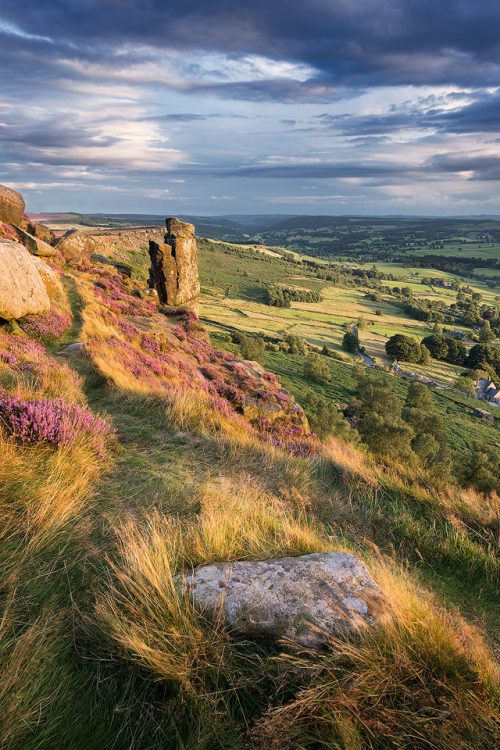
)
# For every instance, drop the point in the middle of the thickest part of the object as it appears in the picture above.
(316, 369)
(51, 421)
(252, 347)
(49, 326)
(350, 342)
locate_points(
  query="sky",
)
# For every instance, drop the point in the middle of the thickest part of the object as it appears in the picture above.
(263, 106)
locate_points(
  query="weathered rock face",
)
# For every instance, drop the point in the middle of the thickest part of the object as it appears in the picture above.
(76, 245)
(11, 206)
(35, 245)
(174, 266)
(41, 232)
(50, 278)
(299, 598)
(22, 291)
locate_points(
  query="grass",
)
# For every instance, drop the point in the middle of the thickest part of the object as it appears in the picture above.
(99, 649)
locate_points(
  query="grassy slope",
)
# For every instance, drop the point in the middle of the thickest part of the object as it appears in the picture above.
(77, 680)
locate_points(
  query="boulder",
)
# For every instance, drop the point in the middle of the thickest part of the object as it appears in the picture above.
(304, 599)
(76, 245)
(41, 231)
(50, 278)
(35, 245)
(22, 291)
(174, 266)
(11, 206)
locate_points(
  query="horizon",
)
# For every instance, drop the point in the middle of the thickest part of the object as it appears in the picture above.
(216, 110)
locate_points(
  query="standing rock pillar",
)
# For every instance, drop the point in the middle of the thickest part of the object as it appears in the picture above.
(174, 266)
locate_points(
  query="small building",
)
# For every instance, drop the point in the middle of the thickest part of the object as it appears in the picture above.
(483, 414)
(493, 395)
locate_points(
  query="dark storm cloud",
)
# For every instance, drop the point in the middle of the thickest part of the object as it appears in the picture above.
(367, 42)
(480, 116)
(482, 167)
(321, 171)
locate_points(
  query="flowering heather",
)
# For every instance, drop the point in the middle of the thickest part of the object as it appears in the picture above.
(51, 421)
(49, 326)
(17, 349)
(109, 287)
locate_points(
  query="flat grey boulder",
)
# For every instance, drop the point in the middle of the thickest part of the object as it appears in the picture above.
(76, 346)
(22, 291)
(304, 599)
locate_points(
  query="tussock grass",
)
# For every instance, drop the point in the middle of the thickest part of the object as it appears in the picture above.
(42, 489)
(143, 610)
(25, 695)
(426, 679)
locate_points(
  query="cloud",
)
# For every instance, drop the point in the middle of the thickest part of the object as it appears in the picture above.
(357, 98)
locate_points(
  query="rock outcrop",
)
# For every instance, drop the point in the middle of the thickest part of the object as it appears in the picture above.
(174, 266)
(35, 245)
(76, 245)
(11, 206)
(22, 291)
(304, 599)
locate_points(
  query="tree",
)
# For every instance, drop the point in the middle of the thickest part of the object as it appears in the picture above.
(457, 351)
(486, 335)
(325, 419)
(482, 468)
(316, 369)
(429, 439)
(466, 385)
(404, 348)
(350, 342)
(483, 357)
(437, 344)
(377, 409)
(252, 347)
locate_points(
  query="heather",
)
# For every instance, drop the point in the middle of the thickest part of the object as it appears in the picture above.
(50, 326)
(169, 354)
(51, 421)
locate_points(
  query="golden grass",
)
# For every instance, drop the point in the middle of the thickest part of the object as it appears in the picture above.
(42, 488)
(142, 609)
(424, 679)
(43, 377)
(24, 696)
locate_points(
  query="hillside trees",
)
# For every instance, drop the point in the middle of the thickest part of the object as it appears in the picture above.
(377, 410)
(482, 468)
(406, 349)
(283, 296)
(484, 357)
(429, 441)
(445, 348)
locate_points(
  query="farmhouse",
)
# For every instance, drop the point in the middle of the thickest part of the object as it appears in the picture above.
(487, 390)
